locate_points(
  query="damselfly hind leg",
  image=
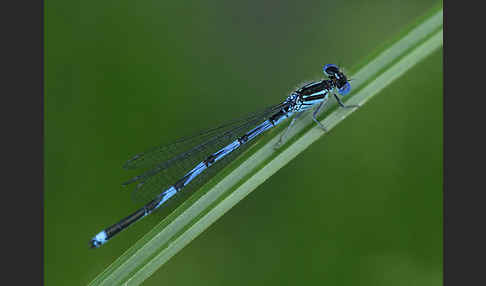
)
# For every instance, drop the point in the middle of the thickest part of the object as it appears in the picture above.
(343, 105)
(284, 134)
(314, 115)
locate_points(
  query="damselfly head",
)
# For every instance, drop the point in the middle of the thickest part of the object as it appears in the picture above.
(338, 78)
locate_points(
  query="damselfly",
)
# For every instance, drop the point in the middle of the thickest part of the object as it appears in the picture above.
(207, 152)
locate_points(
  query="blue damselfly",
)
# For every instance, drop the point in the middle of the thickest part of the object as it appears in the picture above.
(206, 152)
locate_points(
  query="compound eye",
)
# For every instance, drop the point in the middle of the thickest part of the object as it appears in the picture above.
(345, 89)
(330, 69)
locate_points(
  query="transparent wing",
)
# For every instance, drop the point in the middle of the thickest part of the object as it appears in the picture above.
(165, 155)
(168, 163)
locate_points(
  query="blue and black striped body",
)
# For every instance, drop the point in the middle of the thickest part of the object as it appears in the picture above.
(304, 98)
(311, 94)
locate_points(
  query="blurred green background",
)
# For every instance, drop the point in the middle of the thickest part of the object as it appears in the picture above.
(362, 206)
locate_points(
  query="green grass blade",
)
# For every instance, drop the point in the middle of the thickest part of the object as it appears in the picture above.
(262, 161)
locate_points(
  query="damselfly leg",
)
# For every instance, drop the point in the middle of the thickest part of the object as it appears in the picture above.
(314, 115)
(343, 105)
(284, 134)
